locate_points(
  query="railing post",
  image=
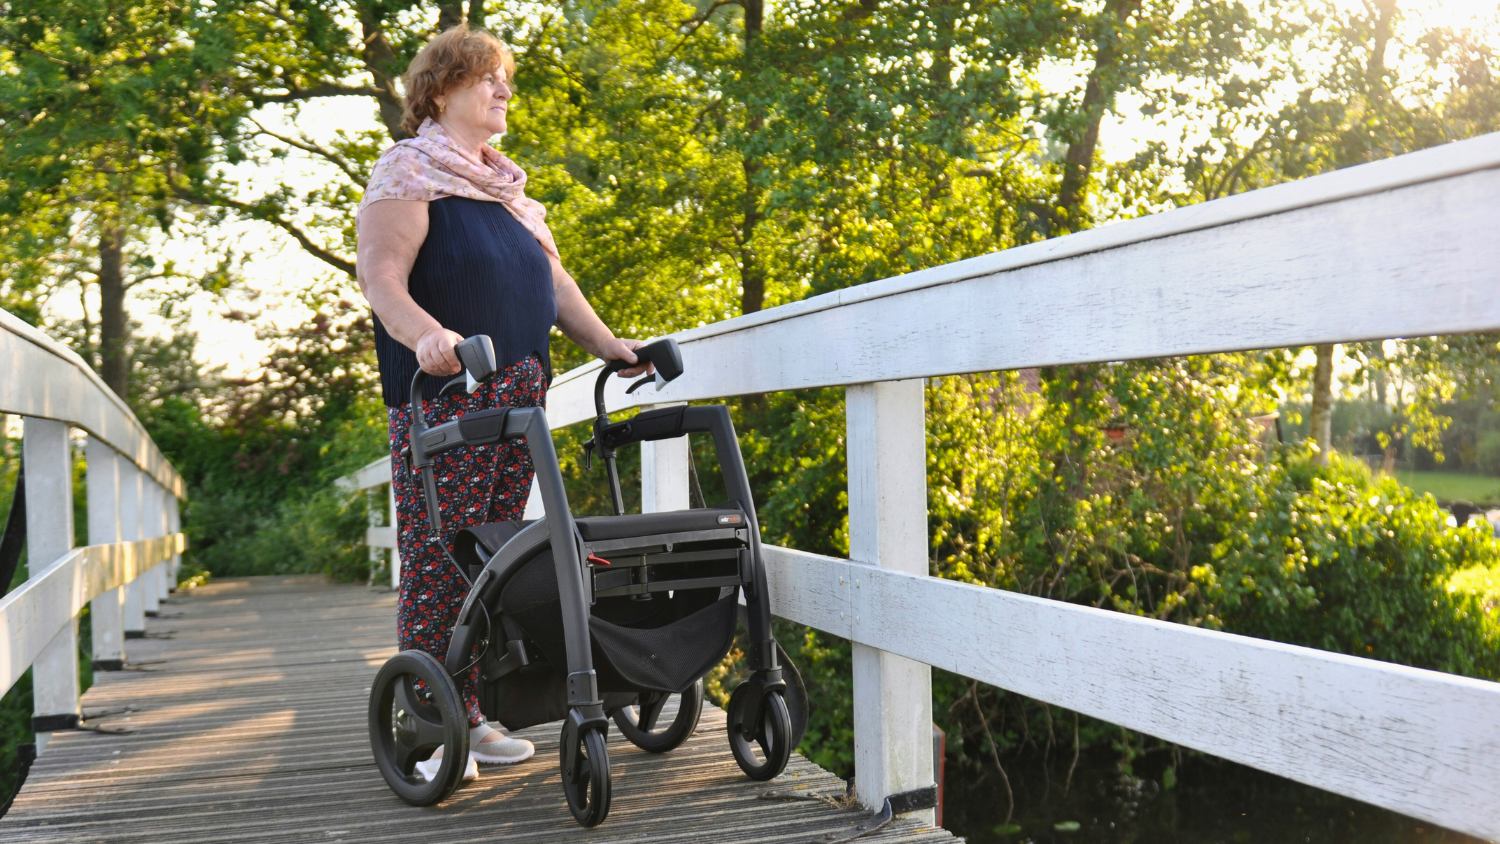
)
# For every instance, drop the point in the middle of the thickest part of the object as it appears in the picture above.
(159, 528)
(174, 526)
(150, 528)
(887, 467)
(107, 611)
(664, 474)
(396, 532)
(132, 493)
(49, 536)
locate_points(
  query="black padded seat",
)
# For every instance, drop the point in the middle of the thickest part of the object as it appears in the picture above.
(600, 528)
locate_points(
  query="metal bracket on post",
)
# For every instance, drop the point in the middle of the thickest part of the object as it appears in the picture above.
(904, 803)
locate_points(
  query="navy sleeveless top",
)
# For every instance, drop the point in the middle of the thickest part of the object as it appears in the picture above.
(479, 272)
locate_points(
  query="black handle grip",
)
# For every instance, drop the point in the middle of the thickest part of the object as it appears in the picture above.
(664, 354)
(477, 354)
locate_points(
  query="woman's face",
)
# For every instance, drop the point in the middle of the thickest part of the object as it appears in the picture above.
(479, 106)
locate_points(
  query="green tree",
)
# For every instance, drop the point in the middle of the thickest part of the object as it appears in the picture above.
(102, 99)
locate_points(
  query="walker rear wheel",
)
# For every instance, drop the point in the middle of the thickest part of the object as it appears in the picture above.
(639, 722)
(588, 788)
(408, 724)
(772, 735)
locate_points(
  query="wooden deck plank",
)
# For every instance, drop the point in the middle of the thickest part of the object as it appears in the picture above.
(245, 712)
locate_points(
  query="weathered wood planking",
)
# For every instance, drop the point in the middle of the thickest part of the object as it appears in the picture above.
(33, 614)
(1422, 743)
(1397, 248)
(249, 726)
(43, 378)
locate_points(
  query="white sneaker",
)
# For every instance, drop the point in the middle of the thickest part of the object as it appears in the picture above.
(429, 769)
(492, 747)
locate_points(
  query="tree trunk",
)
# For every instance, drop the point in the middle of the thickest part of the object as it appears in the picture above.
(1320, 419)
(1098, 94)
(114, 352)
(752, 274)
(450, 15)
(476, 14)
(380, 61)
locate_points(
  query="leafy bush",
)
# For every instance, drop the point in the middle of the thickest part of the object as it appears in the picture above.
(1145, 488)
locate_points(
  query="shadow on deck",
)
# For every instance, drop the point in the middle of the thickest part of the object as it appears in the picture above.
(241, 718)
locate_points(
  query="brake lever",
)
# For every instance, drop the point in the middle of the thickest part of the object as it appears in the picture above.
(588, 455)
(646, 379)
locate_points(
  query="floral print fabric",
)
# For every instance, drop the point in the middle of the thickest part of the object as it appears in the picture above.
(476, 484)
(431, 166)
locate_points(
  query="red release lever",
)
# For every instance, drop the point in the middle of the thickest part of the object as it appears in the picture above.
(600, 560)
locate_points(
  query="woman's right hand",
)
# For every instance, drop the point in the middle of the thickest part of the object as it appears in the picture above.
(435, 351)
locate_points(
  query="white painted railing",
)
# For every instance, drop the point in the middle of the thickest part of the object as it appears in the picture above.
(1404, 247)
(133, 495)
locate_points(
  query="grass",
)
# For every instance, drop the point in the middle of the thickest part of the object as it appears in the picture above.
(1454, 486)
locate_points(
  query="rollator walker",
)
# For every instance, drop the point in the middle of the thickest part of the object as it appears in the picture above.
(587, 619)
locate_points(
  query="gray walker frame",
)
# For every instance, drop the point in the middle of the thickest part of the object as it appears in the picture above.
(586, 721)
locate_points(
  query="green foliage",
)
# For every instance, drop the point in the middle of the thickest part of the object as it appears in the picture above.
(703, 160)
(260, 455)
(1145, 488)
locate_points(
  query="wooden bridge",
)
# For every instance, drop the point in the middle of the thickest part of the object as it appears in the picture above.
(1399, 248)
(245, 721)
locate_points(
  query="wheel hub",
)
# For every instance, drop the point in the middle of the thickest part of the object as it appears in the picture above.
(406, 728)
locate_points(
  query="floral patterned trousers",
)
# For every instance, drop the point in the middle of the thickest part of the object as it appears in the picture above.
(487, 483)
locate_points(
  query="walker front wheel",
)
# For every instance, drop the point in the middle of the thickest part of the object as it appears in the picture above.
(415, 709)
(587, 786)
(639, 722)
(772, 735)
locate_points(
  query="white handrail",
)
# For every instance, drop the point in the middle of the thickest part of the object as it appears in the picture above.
(46, 380)
(31, 615)
(1397, 248)
(1402, 247)
(1423, 743)
(133, 495)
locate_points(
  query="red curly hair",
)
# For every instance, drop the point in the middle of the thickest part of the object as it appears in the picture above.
(457, 57)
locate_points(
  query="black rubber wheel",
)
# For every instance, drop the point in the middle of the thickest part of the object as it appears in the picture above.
(407, 726)
(639, 722)
(798, 705)
(588, 789)
(773, 735)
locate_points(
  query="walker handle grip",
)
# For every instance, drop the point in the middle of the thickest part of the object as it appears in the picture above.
(477, 354)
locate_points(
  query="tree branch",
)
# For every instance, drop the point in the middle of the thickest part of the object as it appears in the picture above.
(302, 238)
(308, 146)
(329, 89)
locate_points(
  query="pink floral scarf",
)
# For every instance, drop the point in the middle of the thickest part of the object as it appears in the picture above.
(431, 166)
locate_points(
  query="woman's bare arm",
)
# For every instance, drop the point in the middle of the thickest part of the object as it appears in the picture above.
(576, 318)
(391, 232)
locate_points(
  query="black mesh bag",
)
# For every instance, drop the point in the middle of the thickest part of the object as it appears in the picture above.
(664, 644)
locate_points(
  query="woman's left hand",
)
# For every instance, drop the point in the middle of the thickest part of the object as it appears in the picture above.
(616, 348)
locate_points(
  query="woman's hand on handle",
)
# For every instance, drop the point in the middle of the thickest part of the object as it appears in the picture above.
(616, 348)
(435, 351)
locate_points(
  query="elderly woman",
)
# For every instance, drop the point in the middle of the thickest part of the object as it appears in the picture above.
(450, 246)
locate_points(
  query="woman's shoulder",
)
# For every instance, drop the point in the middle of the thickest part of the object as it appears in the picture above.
(401, 172)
